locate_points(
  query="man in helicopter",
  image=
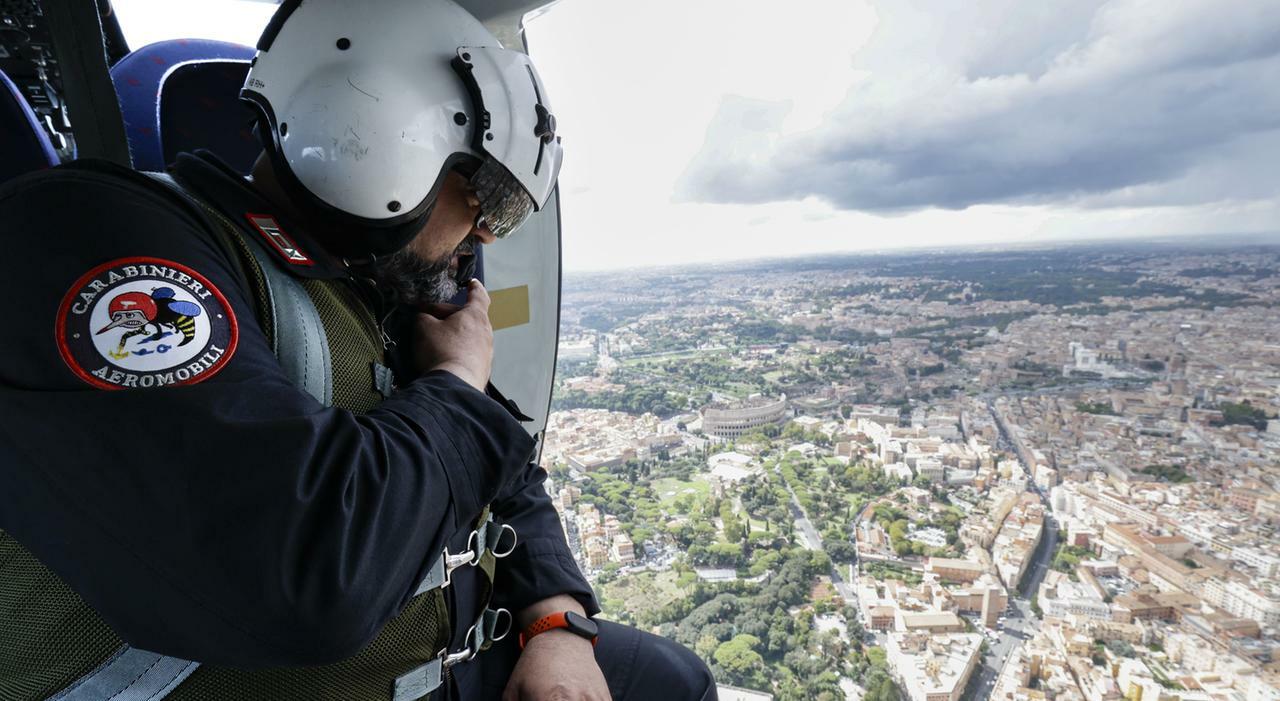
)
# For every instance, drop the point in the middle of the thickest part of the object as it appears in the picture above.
(335, 502)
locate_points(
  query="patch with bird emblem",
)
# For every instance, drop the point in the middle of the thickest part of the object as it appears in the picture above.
(144, 323)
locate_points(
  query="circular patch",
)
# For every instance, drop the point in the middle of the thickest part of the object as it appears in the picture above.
(145, 322)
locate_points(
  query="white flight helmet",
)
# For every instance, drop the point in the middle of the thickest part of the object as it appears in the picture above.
(365, 105)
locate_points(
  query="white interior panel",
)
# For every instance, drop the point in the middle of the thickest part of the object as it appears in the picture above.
(524, 357)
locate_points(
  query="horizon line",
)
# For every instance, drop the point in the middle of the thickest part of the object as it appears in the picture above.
(1250, 239)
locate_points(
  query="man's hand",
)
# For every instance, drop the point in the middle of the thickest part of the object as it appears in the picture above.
(557, 666)
(457, 339)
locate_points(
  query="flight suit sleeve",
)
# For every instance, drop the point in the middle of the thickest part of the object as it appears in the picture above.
(541, 564)
(230, 519)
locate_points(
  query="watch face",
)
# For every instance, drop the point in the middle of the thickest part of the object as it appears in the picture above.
(581, 625)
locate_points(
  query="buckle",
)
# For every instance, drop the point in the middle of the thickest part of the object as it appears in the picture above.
(453, 562)
(449, 563)
(441, 573)
(485, 539)
(492, 626)
(450, 659)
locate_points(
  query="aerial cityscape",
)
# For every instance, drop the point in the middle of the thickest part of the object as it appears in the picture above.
(967, 474)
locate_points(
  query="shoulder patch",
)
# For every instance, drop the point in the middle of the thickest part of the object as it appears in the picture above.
(280, 241)
(143, 323)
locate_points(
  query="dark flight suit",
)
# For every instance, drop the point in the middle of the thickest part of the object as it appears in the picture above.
(213, 511)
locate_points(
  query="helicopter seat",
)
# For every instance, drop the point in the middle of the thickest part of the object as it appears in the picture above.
(183, 94)
(24, 145)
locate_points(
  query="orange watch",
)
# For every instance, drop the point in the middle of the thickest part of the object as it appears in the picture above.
(571, 621)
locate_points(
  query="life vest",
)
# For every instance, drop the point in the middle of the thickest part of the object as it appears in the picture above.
(54, 646)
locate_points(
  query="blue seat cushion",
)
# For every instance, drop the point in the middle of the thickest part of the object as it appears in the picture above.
(183, 94)
(201, 108)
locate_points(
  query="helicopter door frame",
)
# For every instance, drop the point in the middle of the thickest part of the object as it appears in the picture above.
(523, 274)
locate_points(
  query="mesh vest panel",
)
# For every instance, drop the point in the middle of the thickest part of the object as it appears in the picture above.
(355, 343)
(401, 645)
(48, 636)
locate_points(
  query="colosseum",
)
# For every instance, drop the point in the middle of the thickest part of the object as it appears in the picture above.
(731, 421)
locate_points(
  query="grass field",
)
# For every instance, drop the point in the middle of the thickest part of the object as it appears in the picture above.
(630, 594)
(743, 389)
(756, 524)
(674, 355)
(669, 488)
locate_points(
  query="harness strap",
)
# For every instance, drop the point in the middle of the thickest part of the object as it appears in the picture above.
(419, 682)
(301, 346)
(298, 338)
(130, 675)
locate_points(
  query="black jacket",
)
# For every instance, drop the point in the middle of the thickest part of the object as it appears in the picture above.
(235, 520)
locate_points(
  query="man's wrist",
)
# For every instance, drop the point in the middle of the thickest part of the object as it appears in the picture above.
(460, 371)
(552, 604)
(561, 639)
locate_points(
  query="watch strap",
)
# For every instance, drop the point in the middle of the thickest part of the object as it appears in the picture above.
(552, 621)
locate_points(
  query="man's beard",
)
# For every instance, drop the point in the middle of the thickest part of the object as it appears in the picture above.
(414, 282)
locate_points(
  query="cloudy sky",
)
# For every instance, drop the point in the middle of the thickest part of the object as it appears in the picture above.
(742, 128)
(702, 130)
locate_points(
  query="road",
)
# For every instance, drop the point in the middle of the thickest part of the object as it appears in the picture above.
(1020, 623)
(1018, 627)
(814, 542)
(1074, 387)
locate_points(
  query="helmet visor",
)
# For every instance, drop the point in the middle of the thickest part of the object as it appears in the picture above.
(512, 121)
(504, 203)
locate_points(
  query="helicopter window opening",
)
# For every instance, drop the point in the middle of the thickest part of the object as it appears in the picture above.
(148, 21)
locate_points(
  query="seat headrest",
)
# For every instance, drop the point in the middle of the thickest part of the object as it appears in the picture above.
(184, 94)
(24, 145)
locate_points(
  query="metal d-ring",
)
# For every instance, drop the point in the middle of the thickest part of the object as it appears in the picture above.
(492, 623)
(482, 632)
(506, 528)
(475, 547)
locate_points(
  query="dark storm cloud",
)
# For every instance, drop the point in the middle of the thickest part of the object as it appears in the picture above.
(1104, 103)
